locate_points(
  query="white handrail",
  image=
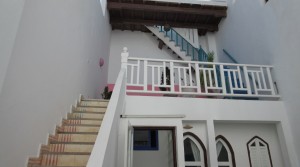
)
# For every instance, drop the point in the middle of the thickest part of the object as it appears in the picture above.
(211, 79)
(105, 150)
(204, 63)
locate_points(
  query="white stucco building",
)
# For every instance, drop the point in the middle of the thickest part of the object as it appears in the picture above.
(239, 111)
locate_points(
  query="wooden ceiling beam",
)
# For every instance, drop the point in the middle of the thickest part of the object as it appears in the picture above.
(157, 22)
(166, 9)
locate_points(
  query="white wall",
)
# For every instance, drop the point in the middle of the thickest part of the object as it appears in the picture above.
(258, 33)
(139, 44)
(238, 134)
(55, 58)
(204, 109)
(10, 15)
(157, 158)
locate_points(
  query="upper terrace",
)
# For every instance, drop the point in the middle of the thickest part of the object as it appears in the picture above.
(135, 14)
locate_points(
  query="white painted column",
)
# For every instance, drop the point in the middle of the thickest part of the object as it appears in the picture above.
(122, 141)
(287, 144)
(180, 147)
(211, 149)
(124, 58)
(211, 45)
(196, 37)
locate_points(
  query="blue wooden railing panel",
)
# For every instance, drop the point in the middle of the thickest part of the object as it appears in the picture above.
(236, 62)
(230, 57)
(195, 53)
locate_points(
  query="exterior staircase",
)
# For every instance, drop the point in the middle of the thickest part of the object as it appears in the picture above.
(73, 141)
(178, 44)
(185, 49)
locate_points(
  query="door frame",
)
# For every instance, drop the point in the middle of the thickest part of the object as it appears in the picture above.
(174, 124)
(171, 128)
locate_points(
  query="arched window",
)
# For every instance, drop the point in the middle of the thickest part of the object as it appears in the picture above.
(194, 151)
(225, 152)
(259, 153)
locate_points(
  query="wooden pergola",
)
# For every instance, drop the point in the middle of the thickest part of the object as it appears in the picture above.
(135, 14)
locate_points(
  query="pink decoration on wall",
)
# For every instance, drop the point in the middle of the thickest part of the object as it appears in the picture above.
(101, 62)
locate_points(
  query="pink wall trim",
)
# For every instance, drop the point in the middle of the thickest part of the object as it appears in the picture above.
(149, 87)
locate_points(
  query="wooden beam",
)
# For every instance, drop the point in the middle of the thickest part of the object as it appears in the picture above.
(166, 9)
(207, 27)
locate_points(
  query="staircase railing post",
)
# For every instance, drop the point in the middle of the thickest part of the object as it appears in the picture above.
(270, 80)
(172, 77)
(193, 58)
(124, 58)
(182, 44)
(187, 49)
(247, 80)
(223, 79)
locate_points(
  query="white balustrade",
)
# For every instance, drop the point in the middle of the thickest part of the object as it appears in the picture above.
(199, 78)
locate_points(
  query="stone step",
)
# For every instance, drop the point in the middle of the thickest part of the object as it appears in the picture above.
(64, 160)
(89, 110)
(79, 149)
(72, 139)
(78, 122)
(103, 100)
(77, 129)
(93, 104)
(88, 116)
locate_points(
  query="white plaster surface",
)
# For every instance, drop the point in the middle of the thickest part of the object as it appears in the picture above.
(54, 59)
(199, 128)
(209, 110)
(238, 134)
(204, 108)
(10, 16)
(258, 33)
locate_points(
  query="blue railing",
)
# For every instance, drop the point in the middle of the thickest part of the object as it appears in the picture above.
(236, 62)
(230, 57)
(195, 53)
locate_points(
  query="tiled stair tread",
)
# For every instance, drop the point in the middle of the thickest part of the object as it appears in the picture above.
(94, 116)
(81, 122)
(64, 160)
(82, 129)
(104, 100)
(93, 104)
(90, 109)
(71, 142)
(74, 137)
(69, 148)
(88, 133)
